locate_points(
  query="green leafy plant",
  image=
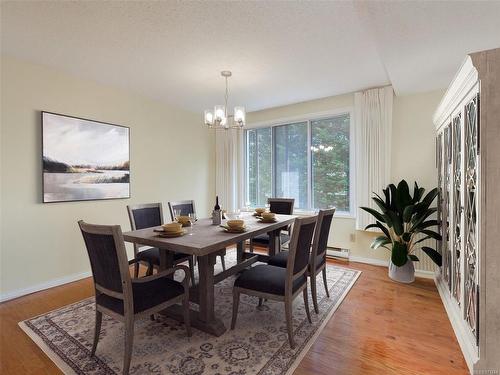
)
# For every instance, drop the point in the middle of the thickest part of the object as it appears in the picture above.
(404, 220)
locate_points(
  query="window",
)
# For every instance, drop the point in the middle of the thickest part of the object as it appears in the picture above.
(307, 160)
(259, 171)
(290, 150)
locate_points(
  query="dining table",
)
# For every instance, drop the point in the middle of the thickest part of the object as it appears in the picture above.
(205, 240)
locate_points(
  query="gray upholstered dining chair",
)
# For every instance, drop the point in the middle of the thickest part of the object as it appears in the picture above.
(187, 207)
(283, 206)
(121, 297)
(317, 262)
(277, 283)
(146, 216)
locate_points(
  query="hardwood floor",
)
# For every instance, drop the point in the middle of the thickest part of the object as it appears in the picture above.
(381, 328)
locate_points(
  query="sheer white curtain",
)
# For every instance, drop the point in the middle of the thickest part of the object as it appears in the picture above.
(228, 146)
(373, 133)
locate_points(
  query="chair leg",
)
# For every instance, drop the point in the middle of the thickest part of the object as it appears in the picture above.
(149, 272)
(191, 269)
(324, 282)
(129, 343)
(236, 303)
(98, 321)
(186, 312)
(289, 324)
(251, 245)
(136, 269)
(306, 304)
(314, 293)
(223, 261)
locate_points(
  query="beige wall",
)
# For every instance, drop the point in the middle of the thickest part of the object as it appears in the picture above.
(40, 242)
(412, 153)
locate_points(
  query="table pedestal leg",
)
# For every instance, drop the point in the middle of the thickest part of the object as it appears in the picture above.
(240, 248)
(204, 319)
(274, 242)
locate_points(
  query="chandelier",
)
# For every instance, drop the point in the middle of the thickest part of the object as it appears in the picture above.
(219, 119)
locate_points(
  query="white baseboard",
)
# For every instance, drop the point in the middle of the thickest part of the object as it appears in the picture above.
(49, 284)
(383, 263)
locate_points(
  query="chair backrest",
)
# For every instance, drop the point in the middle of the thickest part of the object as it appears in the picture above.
(186, 207)
(321, 234)
(145, 215)
(300, 247)
(108, 258)
(283, 206)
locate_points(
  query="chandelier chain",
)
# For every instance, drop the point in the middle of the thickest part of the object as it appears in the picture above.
(226, 97)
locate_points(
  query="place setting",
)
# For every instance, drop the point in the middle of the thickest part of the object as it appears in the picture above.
(234, 226)
(267, 217)
(259, 211)
(171, 230)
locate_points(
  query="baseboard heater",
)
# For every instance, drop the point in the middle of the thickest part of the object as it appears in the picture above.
(337, 253)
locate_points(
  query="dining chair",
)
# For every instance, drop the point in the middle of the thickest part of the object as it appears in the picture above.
(121, 297)
(146, 216)
(277, 283)
(317, 262)
(187, 207)
(283, 206)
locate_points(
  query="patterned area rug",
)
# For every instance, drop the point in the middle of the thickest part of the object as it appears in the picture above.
(258, 345)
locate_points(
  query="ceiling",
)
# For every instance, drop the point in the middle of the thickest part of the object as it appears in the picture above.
(279, 52)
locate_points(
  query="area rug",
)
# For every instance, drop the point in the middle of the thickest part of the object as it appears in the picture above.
(258, 345)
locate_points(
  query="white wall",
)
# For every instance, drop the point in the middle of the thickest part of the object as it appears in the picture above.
(412, 153)
(171, 158)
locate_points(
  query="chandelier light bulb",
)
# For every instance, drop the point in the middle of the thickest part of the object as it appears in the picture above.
(220, 113)
(239, 115)
(209, 117)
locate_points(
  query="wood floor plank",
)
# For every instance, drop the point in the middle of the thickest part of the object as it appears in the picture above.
(382, 327)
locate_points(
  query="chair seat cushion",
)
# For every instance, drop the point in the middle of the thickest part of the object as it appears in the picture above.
(264, 238)
(146, 295)
(267, 279)
(153, 256)
(280, 260)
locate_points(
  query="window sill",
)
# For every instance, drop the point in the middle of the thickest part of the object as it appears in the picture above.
(340, 215)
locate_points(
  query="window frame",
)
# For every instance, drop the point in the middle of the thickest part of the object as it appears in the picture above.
(307, 118)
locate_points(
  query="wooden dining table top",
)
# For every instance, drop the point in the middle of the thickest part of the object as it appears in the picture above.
(203, 237)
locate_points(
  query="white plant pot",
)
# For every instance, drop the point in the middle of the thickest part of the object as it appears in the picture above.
(404, 274)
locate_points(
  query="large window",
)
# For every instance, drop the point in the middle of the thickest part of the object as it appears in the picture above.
(307, 160)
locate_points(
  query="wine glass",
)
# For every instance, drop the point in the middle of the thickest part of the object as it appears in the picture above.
(192, 218)
(177, 213)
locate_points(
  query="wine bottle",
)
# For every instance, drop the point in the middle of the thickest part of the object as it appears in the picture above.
(216, 213)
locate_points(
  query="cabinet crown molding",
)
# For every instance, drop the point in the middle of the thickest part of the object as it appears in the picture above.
(462, 83)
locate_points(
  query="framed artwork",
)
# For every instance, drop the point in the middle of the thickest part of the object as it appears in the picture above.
(84, 159)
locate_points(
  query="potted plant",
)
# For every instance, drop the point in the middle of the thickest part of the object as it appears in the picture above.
(404, 221)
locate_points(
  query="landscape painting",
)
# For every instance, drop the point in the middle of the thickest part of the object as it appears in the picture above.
(84, 159)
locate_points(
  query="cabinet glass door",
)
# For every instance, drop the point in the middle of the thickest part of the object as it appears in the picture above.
(471, 112)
